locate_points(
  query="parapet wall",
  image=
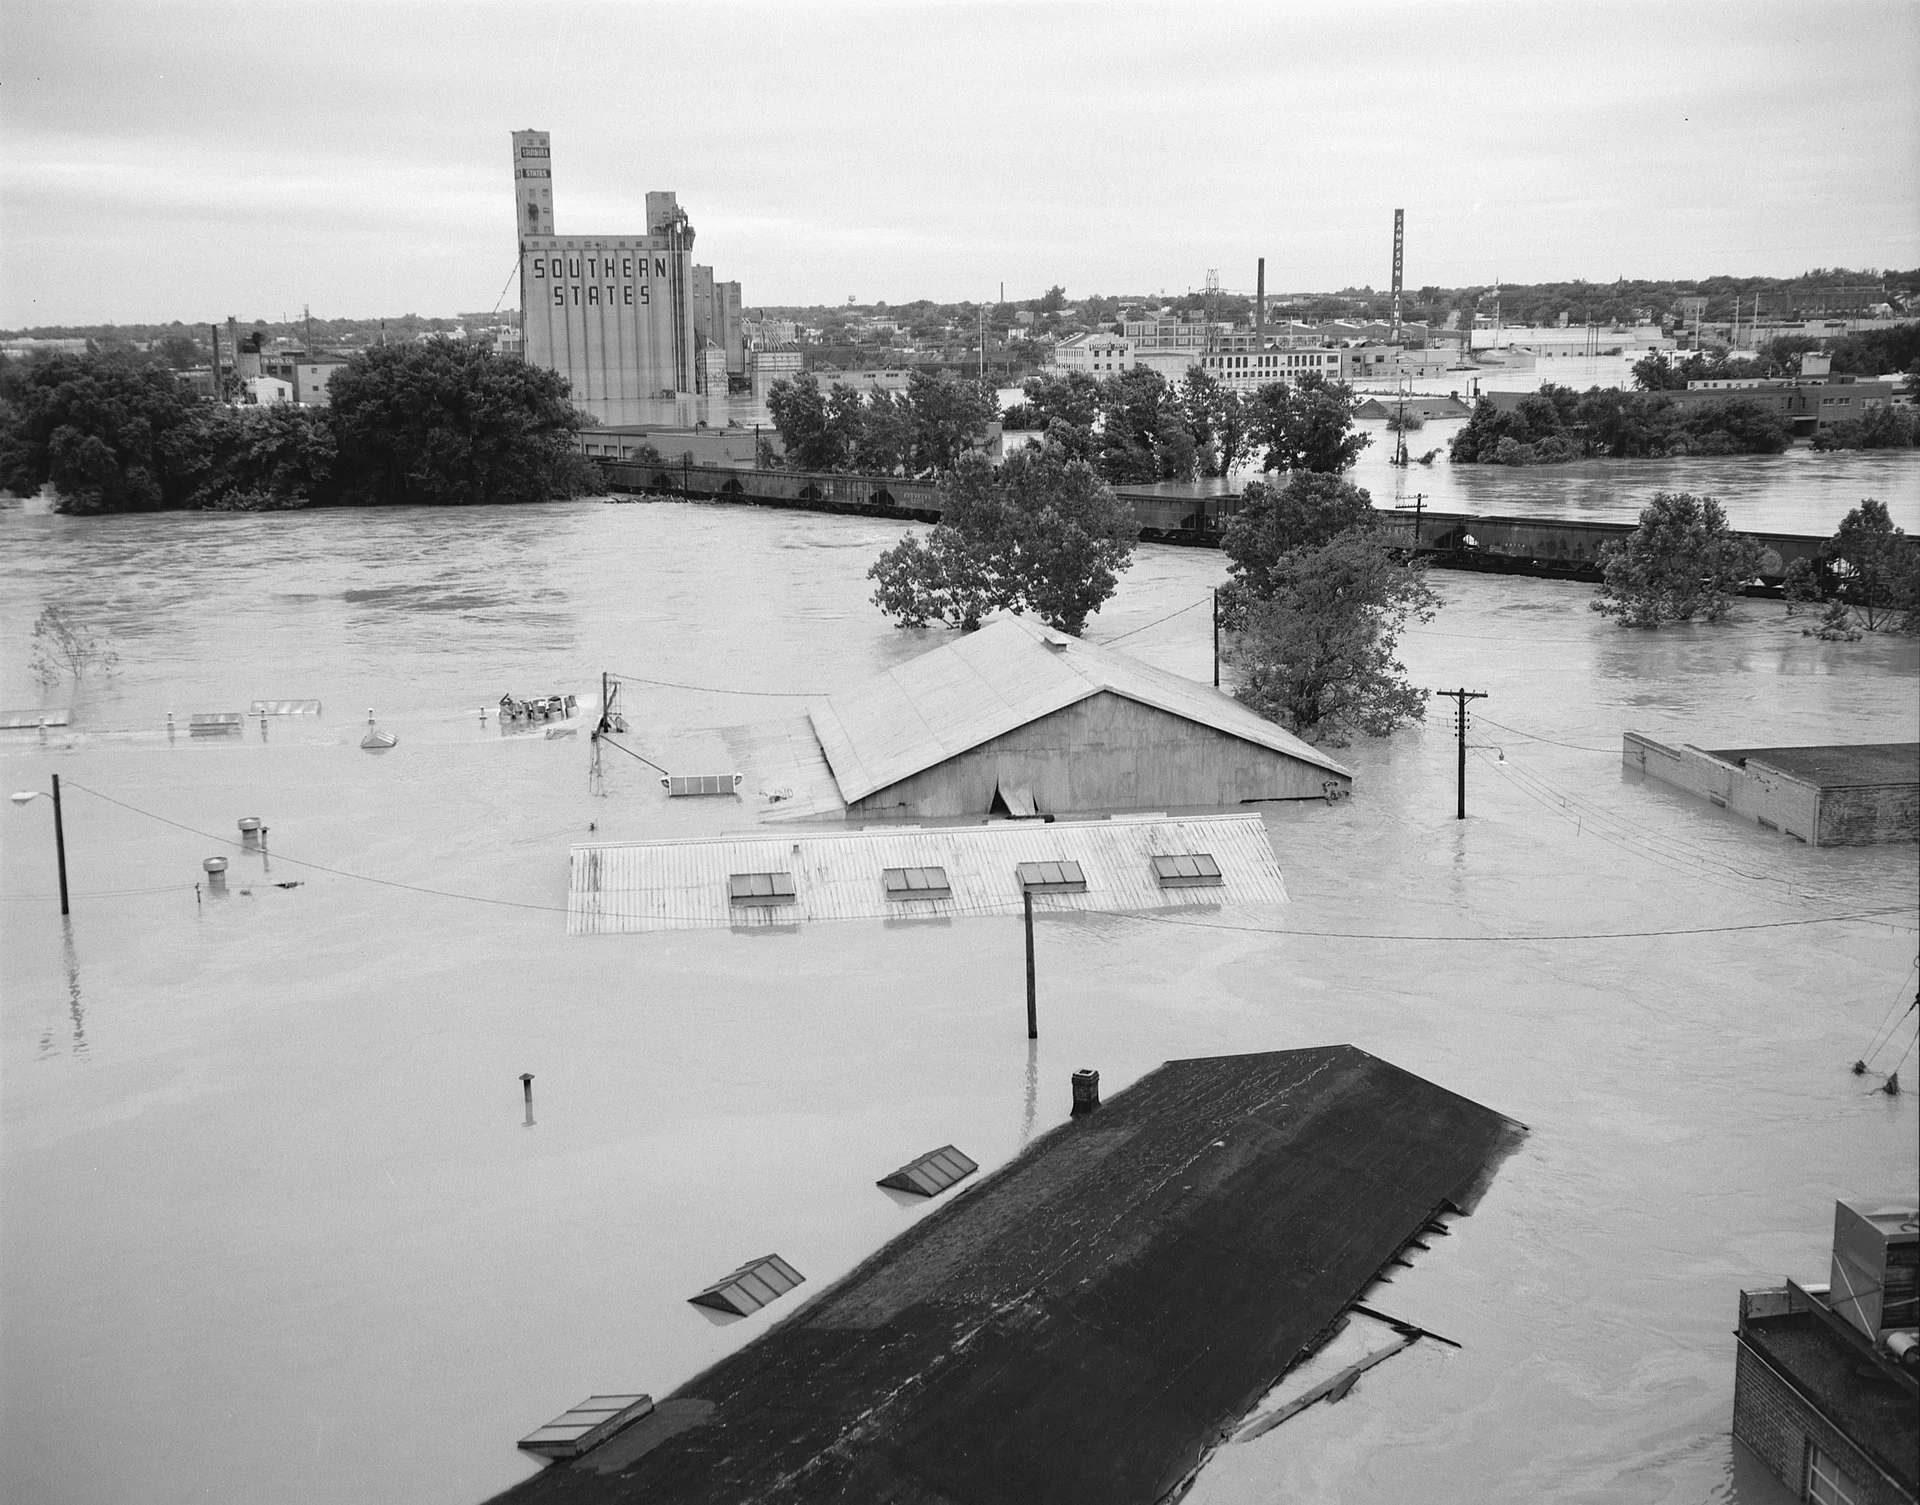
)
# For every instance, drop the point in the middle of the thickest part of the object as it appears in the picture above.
(1835, 816)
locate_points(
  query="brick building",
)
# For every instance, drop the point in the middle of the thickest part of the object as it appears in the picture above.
(1825, 1389)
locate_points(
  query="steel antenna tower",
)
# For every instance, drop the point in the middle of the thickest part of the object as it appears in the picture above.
(1212, 312)
(1399, 241)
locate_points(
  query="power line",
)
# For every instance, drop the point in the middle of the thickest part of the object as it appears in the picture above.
(1588, 935)
(320, 867)
(671, 684)
(1155, 623)
(1536, 737)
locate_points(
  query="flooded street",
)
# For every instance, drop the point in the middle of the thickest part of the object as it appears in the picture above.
(265, 1181)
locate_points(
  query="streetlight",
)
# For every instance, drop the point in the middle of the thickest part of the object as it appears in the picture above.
(59, 832)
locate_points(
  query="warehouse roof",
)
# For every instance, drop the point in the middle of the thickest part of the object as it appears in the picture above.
(985, 684)
(688, 885)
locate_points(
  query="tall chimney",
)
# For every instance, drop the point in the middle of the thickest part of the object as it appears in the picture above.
(1260, 308)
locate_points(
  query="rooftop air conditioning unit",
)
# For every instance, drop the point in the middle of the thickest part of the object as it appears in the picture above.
(1876, 1263)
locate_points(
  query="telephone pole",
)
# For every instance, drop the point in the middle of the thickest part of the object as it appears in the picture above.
(1460, 698)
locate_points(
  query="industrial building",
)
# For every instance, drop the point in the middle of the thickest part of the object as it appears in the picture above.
(1083, 1326)
(1126, 863)
(1826, 796)
(1826, 1391)
(626, 318)
(1022, 718)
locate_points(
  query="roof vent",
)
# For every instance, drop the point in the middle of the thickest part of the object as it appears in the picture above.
(752, 1286)
(932, 1173)
(916, 883)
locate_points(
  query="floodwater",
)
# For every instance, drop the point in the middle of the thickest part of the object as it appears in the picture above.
(273, 1225)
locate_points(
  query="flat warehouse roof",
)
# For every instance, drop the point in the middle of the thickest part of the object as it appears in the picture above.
(1835, 766)
(685, 885)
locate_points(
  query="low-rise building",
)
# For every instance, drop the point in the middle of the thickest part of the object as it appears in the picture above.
(266, 391)
(1826, 1389)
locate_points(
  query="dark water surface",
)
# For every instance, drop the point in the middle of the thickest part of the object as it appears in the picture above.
(273, 1229)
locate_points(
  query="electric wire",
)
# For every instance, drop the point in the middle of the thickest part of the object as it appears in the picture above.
(603, 737)
(1585, 935)
(319, 867)
(1157, 621)
(1890, 1021)
(1536, 737)
(671, 684)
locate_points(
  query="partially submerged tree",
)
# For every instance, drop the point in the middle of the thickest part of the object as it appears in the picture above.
(64, 647)
(1682, 562)
(1307, 425)
(1040, 533)
(1318, 653)
(1311, 509)
(443, 422)
(1867, 578)
(95, 426)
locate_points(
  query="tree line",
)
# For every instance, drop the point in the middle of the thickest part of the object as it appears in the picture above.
(436, 422)
(1130, 428)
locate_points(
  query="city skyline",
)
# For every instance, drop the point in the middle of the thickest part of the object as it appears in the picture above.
(349, 157)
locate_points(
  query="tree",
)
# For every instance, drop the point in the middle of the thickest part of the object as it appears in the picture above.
(445, 422)
(800, 414)
(884, 444)
(1039, 533)
(1143, 434)
(1275, 521)
(1054, 301)
(252, 459)
(1066, 408)
(1318, 653)
(64, 647)
(1219, 419)
(1307, 426)
(950, 414)
(1682, 561)
(95, 426)
(1876, 569)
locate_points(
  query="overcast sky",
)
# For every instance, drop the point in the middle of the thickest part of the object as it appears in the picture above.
(190, 161)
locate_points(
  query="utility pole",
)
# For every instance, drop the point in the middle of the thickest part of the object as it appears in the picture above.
(60, 844)
(1418, 498)
(1033, 1017)
(1460, 698)
(1216, 637)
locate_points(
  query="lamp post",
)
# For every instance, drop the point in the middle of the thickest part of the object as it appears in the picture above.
(59, 832)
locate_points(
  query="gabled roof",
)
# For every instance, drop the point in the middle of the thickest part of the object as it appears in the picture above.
(985, 684)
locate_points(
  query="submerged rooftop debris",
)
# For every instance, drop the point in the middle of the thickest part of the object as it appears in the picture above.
(1088, 1323)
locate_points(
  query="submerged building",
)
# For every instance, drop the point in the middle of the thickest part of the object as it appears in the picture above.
(1826, 1379)
(626, 318)
(1838, 796)
(1026, 720)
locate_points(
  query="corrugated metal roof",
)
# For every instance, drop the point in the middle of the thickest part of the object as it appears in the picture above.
(986, 683)
(683, 885)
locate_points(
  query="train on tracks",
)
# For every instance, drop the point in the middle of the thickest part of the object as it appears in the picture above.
(1552, 548)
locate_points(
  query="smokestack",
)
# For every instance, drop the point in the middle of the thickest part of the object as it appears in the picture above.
(1260, 308)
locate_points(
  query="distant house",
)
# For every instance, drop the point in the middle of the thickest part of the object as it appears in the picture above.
(265, 391)
(1023, 719)
(1096, 355)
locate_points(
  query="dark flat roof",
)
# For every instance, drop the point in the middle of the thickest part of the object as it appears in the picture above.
(1836, 767)
(1876, 1414)
(1086, 1323)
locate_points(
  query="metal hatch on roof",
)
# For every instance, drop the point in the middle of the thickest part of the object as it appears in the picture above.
(932, 1173)
(586, 1425)
(679, 784)
(1052, 878)
(746, 890)
(1190, 870)
(903, 883)
(752, 1286)
(284, 708)
(205, 723)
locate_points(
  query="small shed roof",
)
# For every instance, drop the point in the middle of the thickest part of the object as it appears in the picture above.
(985, 684)
(685, 885)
